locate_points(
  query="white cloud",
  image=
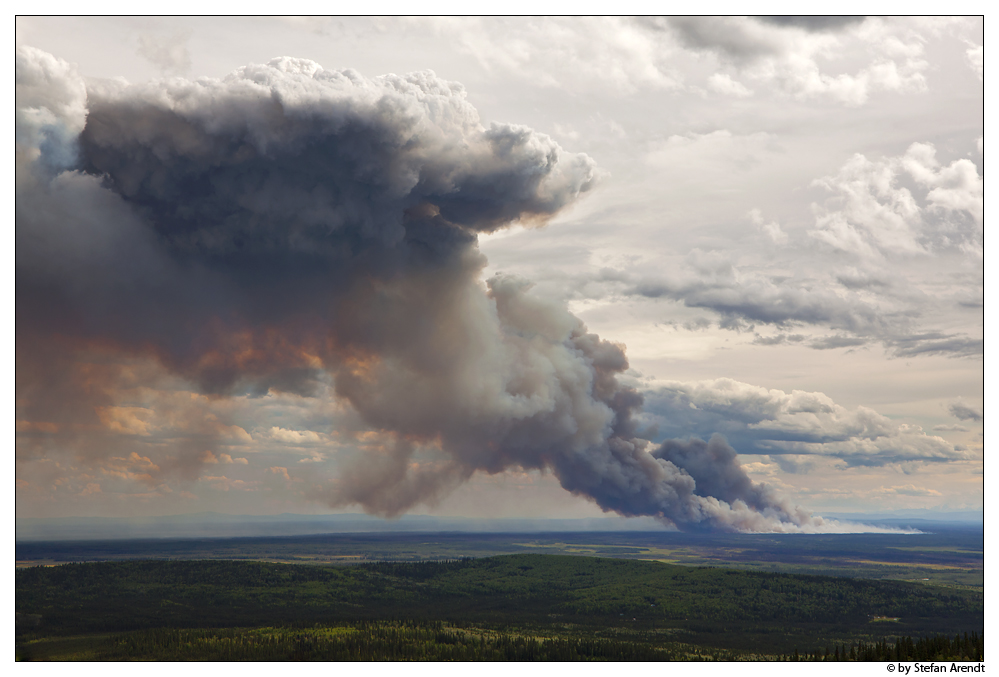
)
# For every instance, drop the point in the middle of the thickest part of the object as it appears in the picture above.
(873, 216)
(51, 108)
(293, 437)
(127, 420)
(724, 84)
(771, 228)
(976, 59)
(571, 53)
(718, 149)
(280, 471)
(628, 55)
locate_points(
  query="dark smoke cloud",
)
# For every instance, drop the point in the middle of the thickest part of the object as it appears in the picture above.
(714, 467)
(287, 222)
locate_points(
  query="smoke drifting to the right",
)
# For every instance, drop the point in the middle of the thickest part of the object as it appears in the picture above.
(255, 233)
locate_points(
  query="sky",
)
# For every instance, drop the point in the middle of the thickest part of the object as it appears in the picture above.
(726, 272)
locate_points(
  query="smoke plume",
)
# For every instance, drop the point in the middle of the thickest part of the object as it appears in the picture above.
(289, 223)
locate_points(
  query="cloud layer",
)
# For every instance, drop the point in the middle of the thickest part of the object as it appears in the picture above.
(855, 276)
(758, 420)
(796, 57)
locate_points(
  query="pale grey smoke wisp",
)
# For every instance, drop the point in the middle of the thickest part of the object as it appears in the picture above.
(254, 232)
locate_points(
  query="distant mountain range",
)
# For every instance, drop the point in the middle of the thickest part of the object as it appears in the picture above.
(220, 525)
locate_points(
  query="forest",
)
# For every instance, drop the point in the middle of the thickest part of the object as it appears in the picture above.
(510, 607)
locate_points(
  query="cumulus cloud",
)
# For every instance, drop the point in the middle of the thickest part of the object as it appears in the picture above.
(976, 59)
(288, 226)
(771, 228)
(281, 471)
(134, 468)
(51, 109)
(772, 422)
(293, 437)
(873, 216)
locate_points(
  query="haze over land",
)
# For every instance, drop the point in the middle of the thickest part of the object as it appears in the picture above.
(722, 272)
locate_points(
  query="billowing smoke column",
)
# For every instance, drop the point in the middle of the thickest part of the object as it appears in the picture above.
(255, 232)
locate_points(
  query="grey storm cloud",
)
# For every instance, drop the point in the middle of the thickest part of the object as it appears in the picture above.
(730, 37)
(964, 412)
(740, 39)
(288, 223)
(937, 343)
(813, 24)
